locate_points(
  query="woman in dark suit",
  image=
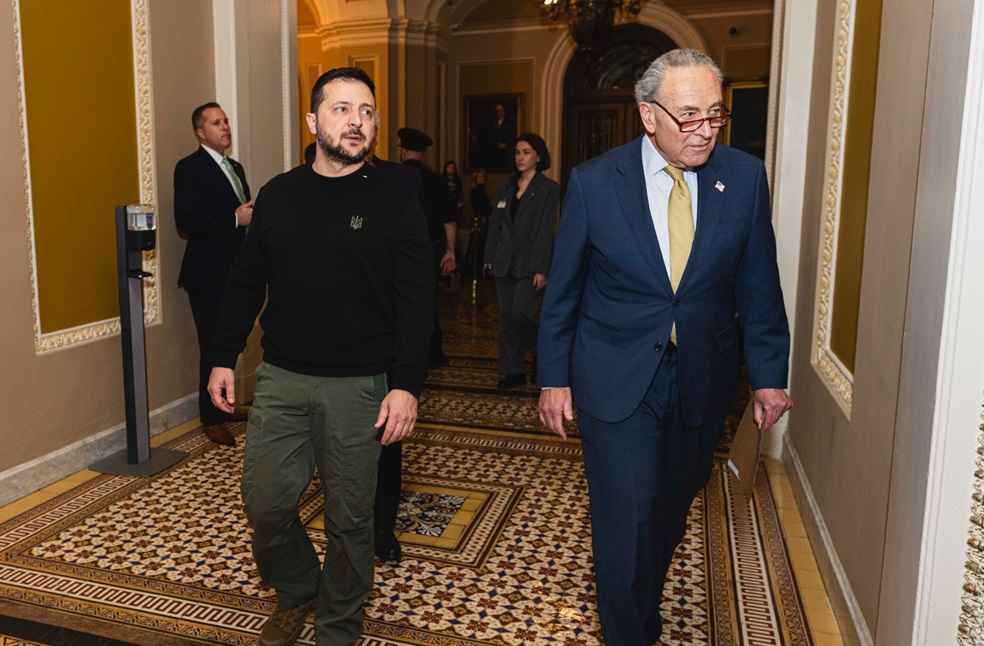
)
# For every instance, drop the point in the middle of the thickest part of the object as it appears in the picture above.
(518, 249)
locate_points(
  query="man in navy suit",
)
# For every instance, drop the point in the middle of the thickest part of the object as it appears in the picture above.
(664, 257)
(212, 208)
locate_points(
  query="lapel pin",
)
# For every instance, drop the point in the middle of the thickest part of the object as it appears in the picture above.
(719, 186)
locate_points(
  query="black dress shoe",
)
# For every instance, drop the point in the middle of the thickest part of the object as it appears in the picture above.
(511, 381)
(388, 549)
(220, 434)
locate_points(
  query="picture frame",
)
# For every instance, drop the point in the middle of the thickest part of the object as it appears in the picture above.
(489, 133)
(748, 103)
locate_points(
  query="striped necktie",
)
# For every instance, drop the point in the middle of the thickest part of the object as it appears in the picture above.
(237, 185)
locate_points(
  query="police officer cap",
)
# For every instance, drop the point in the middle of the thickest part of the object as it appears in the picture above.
(413, 139)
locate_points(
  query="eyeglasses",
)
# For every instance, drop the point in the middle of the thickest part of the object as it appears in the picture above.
(692, 125)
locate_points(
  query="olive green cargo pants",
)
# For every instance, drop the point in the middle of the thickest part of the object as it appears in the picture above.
(299, 422)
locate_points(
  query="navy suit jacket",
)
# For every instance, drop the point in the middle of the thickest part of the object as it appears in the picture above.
(204, 207)
(609, 307)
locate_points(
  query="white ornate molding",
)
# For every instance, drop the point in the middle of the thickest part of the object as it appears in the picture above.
(45, 342)
(680, 30)
(516, 25)
(382, 31)
(833, 373)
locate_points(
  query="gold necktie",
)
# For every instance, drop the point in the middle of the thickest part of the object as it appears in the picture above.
(681, 220)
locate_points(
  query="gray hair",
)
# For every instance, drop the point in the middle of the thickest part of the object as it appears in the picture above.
(648, 86)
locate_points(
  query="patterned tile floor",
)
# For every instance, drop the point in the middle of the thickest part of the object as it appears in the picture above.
(494, 526)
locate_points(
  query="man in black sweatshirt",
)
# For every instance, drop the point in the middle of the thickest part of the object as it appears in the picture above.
(340, 250)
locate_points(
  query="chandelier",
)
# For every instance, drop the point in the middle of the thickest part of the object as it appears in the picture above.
(590, 21)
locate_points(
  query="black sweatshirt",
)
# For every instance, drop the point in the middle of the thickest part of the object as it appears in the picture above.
(345, 264)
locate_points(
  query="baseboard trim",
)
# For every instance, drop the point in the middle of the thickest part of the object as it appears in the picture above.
(23, 479)
(854, 628)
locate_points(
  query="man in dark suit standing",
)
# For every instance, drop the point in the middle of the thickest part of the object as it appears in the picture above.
(212, 207)
(664, 257)
(389, 480)
(418, 180)
(442, 223)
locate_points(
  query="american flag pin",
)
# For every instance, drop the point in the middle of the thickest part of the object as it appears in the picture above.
(719, 186)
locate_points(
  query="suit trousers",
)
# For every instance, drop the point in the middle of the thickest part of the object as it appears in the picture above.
(205, 307)
(389, 483)
(298, 423)
(643, 473)
(517, 321)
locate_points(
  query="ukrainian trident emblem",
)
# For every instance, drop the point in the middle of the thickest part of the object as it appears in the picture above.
(356, 222)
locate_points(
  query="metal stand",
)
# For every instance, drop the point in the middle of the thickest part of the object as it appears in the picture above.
(136, 459)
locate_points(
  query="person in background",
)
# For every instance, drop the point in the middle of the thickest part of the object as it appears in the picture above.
(440, 223)
(212, 209)
(518, 251)
(478, 198)
(389, 482)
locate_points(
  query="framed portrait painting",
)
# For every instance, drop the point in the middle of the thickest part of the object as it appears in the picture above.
(748, 103)
(491, 122)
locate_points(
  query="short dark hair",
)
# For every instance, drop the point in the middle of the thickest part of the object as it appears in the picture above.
(350, 73)
(196, 115)
(537, 143)
(310, 152)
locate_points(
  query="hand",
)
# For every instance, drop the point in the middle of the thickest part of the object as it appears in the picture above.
(244, 214)
(556, 405)
(539, 281)
(770, 405)
(487, 268)
(448, 263)
(399, 413)
(222, 389)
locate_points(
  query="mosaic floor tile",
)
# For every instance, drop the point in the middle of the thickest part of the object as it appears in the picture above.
(510, 565)
(493, 521)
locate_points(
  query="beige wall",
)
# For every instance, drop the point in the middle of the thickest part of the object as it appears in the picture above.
(745, 55)
(941, 374)
(848, 462)
(54, 400)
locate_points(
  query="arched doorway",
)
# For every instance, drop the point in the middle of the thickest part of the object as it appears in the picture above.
(599, 107)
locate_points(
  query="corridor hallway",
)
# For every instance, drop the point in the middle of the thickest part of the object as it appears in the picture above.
(493, 522)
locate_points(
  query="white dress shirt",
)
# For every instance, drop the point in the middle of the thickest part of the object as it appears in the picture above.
(218, 157)
(658, 187)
